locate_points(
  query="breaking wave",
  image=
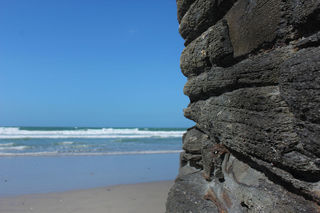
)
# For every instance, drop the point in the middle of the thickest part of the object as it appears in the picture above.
(18, 133)
(13, 147)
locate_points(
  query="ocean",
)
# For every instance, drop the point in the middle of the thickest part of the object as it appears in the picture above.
(56, 159)
(73, 141)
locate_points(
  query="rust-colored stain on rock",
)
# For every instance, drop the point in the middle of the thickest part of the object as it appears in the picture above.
(210, 195)
(226, 198)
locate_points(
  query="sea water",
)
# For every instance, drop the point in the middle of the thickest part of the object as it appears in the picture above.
(48, 141)
(50, 159)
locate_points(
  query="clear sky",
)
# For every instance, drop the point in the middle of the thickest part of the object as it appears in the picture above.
(91, 63)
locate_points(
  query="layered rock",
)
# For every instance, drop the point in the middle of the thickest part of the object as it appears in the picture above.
(253, 69)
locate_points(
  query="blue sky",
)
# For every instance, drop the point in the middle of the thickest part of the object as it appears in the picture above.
(90, 63)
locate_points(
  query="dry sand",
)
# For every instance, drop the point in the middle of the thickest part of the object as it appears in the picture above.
(134, 198)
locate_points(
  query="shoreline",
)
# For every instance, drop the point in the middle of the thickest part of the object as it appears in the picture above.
(134, 198)
(87, 154)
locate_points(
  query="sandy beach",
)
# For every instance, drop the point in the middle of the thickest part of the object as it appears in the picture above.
(131, 198)
(87, 183)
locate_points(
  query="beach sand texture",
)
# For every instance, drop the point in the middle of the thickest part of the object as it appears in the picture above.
(132, 198)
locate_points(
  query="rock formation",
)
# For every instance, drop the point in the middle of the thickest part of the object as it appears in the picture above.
(253, 69)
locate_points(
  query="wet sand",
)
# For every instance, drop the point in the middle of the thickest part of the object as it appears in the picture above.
(131, 198)
(35, 175)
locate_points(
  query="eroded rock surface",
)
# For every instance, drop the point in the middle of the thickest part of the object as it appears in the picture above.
(253, 69)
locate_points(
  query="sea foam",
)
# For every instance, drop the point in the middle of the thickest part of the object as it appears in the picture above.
(16, 133)
(66, 143)
(6, 144)
(13, 148)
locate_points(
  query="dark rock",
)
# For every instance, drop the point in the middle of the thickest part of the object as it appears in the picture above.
(300, 88)
(212, 47)
(182, 7)
(193, 140)
(192, 160)
(253, 69)
(266, 23)
(201, 15)
(248, 190)
(187, 195)
(304, 16)
(186, 170)
(312, 41)
(212, 156)
(254, 23)
(243, 190)
(300, 84)
(260, 70)
(253, 121)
